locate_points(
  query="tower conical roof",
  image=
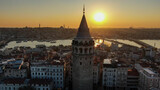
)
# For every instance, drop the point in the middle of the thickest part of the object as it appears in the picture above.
(83, 30)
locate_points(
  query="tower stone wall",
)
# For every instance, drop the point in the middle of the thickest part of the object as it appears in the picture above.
(83, 54)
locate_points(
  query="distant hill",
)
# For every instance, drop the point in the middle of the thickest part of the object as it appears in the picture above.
(67, 33)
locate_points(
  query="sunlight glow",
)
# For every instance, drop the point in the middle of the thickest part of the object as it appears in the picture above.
(98, 42)
(99, 17)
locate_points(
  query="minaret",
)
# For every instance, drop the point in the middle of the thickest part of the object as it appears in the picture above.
(83, 53)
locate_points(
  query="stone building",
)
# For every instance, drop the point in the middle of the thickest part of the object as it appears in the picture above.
(83, 54)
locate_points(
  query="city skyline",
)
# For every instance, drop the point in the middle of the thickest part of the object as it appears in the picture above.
(49, 13)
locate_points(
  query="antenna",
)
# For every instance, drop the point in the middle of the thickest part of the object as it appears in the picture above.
(83, 9)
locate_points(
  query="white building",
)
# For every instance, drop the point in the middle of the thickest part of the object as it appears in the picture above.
(149, 52)
(12, 71)
(109, 75)
(12, 84)
(114, 75)
(148, 79)
(41, 84)
(52, 70)
(17, 83)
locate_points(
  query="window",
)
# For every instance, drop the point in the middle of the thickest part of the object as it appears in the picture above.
(76, 50)
(86, 50)
(80, 63)
(90, 50)
(80, 50)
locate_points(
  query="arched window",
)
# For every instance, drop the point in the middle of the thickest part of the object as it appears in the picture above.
(76, 50)
(80, 50)
(76, 42)
(73, 42)
(86, 50)
(85, 43)
(80, 63)
(73, 50)
(81, 43)
(92, 42)
(90, 50)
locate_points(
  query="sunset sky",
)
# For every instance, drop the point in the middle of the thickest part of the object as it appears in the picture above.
(54, 13)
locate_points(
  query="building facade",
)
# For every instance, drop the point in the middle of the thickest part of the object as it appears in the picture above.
(54, 71)
(12, 71)
(148, 79)
(114, 75)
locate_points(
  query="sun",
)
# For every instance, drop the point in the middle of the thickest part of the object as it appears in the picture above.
(99, 17)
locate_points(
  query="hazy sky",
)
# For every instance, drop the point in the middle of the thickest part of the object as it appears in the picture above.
(54, 13)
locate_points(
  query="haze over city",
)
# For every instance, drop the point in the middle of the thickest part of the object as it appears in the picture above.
(79, 45)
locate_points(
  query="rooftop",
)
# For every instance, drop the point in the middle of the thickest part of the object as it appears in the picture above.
(107, 61)
(40, 81)
(149, 71)
(14, 81)
(133, 72)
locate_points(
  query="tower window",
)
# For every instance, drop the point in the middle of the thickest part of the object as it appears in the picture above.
(90, 49)
(80, 63)
(86, 50)
(76, 50)
(90, 62)
(80, 49)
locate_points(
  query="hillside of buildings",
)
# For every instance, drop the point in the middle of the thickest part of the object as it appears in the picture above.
(67, 33)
